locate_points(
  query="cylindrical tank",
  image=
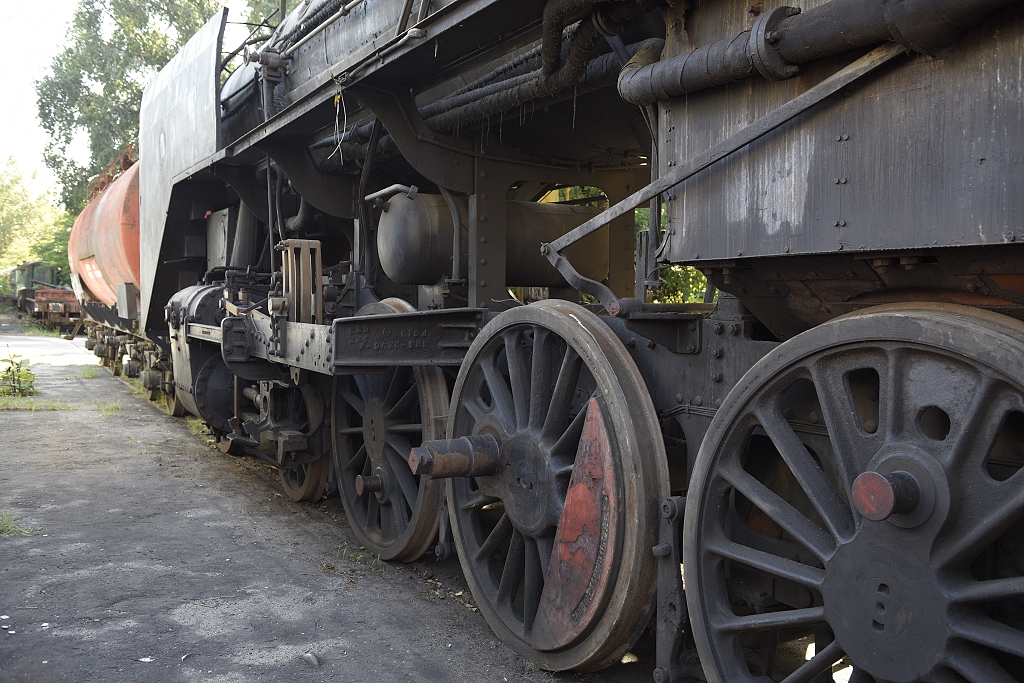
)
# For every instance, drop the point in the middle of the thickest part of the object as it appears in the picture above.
(414, 241)
(103, 249)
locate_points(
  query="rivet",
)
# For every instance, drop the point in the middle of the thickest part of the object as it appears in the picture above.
(483, 239)
(846, 137)
(836, 181)
(483, 262)
(483, 283)
(842, 181)
(842, 224)
(697, 401)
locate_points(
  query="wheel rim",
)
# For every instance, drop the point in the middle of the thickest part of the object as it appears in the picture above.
(777, 544)
(556, 545)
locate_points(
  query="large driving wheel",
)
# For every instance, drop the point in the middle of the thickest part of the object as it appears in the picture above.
(556, 546)
(861, 490)
(378, 419)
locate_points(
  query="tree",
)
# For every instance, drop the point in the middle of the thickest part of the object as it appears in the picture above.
(31, 227)
(95, 86)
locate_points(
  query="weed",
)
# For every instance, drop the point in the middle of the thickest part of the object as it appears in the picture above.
(16, 379)
(89, 372)
(196, 426)
(135, 385)
(374, 564)
(32, 405)
(109, 409)
(10, 526)
(35, 329)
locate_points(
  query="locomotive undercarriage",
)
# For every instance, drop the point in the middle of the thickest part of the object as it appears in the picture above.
(832, 450)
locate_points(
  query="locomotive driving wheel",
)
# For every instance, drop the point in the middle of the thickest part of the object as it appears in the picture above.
(378, 419)
(861, 489)
(556, 545)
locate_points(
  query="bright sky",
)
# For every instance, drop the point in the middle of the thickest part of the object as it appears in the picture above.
(36, 33)
(41, 36)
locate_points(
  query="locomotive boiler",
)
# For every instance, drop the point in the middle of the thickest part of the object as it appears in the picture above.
(338, 226)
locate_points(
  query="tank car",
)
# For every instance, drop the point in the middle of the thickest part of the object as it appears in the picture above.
(829, 450)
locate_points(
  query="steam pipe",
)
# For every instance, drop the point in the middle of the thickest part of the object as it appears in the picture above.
(784, 37)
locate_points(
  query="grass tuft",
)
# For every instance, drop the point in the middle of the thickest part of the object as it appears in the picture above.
(89, 372)
(32, 404)
(109, 409)
(10, 526)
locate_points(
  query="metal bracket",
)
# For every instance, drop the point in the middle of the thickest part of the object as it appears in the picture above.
(672, 616)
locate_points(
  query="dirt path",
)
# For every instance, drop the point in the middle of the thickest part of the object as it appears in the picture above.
(155, 557)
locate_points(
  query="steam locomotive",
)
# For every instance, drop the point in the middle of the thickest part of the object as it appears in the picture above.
(337, 224)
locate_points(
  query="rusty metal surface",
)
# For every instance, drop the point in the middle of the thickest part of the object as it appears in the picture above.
(580, 571)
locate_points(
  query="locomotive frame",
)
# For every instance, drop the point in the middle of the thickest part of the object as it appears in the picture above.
(328, 235)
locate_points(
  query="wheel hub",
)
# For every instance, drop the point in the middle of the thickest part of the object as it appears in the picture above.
(374, 433)
(525, 482)
(886, 609)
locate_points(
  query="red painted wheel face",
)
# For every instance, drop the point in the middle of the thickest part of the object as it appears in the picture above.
(556, 544)
(578, 572)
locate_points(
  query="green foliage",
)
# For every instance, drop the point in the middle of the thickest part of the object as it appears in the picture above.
(31, 227)
(95, 84)
(683, 285)
(15, 377)
(10, 526)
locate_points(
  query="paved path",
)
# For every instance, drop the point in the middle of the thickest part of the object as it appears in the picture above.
(153, 557)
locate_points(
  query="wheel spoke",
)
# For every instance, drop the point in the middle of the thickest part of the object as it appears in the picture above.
(818, 664)
(540, 376)
(352, 398)
(512, 572)
(519, 375)
(834, 511)
(992, 403)
(812, 577)
(474, 406)
(400, 515)
(561, 397)
(501, 395)
(534, 572)
(890, 397)
(401, 407)
(803, 530)
(988, 591)
(348, 431)
(545, 544)
(400, 444)
(355, 463)
(978, 666)
(373, 512)
(852, 446)
(406, 429)
(400, 472)
(990, 633)
(990, 524)
(569, 441)
(496, 540)
(398, 385)
(807, 616)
